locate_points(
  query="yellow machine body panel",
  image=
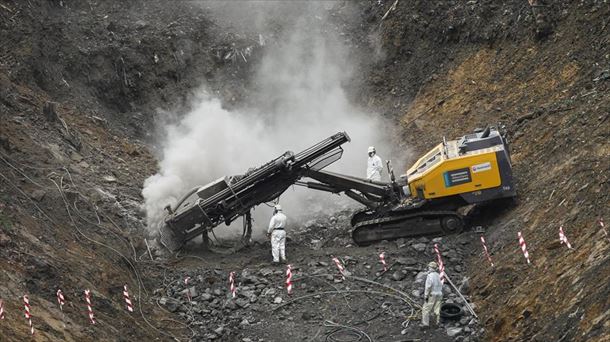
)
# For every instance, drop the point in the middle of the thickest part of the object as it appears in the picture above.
(441, 189)
(441, 173)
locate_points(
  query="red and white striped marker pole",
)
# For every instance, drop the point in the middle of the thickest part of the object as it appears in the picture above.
(60, 300)
(28, 316)
(127, 299)
(523, 247)
(1, 309)
(441, 266)
(89, 306)
(289, 279)
(188, 292)
(600, 221)
(340, 267)
(563, 239)
(232, 287)
(382, 259)
(486, 251)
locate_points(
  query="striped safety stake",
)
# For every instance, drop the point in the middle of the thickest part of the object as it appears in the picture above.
(441, 266)
(1, 309)
(382, 259)
(60, 300)
(340, 267)
(600, 221)
(89, 306)
(28, 316)
(523, 247)
(563, 239)
(186, 284)
(289, 279)
(232, 287)
(486, 251)
(127, 299)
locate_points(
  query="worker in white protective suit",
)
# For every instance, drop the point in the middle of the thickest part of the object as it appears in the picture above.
(373, 166)
(433, 295)
(277, 233)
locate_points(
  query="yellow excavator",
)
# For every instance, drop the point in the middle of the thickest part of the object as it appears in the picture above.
(457, 174)
(428, 200)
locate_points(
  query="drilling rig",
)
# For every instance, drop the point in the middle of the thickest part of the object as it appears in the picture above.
(472, 170)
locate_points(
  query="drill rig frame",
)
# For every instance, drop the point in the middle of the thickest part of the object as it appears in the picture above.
(472, 170)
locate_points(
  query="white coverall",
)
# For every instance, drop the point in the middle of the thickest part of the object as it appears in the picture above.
(434, 295)
(278, 236)
(374, 168)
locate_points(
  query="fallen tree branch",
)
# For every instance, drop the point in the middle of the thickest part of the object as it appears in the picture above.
(6, 8)
(148, 248)
(392, 8)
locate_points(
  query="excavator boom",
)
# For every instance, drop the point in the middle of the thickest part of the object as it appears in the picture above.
(471, 170)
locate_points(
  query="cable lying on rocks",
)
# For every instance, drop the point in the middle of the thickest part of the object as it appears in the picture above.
(356, 333)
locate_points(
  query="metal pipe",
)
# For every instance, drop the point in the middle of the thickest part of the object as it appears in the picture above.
(460, 294)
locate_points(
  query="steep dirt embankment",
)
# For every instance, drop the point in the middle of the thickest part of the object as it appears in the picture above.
(70, 176)
(121, 60)
(552, 95)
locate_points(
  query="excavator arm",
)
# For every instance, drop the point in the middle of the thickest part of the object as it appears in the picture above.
(370, 193)
(472, 170)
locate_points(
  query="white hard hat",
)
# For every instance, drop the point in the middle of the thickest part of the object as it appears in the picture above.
(278, 207)
(433, 265)
(371, 149)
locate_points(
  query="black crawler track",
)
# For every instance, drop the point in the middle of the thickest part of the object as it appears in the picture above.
(370, 227)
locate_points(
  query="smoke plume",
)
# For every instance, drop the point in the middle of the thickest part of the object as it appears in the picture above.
(300, 100)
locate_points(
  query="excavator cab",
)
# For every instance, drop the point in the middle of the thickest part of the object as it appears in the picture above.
(468, 171)
(475, 168)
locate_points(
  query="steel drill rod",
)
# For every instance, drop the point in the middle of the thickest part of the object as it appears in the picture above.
(460, 294)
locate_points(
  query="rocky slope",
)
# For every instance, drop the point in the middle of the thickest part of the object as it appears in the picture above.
(71, 173)
(552, 96)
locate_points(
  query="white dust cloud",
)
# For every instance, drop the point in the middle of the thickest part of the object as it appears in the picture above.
(300, 100)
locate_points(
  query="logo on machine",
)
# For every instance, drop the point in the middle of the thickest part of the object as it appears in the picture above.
(481, 167)
(457, 177)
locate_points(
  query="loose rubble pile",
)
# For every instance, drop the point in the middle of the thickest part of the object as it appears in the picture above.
(325, 231)
(369, 301)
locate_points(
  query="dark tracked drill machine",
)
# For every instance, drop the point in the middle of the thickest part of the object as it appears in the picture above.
(473, 169)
